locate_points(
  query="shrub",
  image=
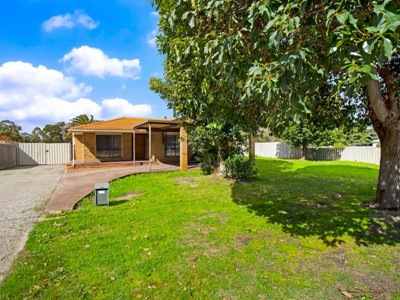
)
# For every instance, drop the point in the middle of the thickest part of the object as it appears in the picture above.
(239, 167)
(209, 162)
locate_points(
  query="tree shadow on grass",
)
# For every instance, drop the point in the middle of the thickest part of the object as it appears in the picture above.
(323, 201)
(118, 202)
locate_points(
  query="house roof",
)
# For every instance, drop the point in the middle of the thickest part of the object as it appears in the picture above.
(124, 124)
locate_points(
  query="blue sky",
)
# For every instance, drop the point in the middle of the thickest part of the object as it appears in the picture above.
(61, 58)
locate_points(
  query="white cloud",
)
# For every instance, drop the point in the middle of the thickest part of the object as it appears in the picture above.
(155, 14)
(20, 82)
(93, 61)
(70, 21)
(117, 107)
(152, 37)
(35, 96)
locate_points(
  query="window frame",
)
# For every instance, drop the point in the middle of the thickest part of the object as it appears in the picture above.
(172, 151)
(112, 153)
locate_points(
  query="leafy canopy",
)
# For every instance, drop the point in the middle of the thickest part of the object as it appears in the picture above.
(254, 62)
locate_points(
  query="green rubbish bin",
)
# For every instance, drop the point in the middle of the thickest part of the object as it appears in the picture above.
(101, 193)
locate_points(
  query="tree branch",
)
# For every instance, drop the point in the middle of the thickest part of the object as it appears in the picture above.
(376, 100)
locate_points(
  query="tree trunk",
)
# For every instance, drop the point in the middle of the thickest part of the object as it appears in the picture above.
(388, 192)
(384, 113)
(220, 169)
(252, 148)
(304, 152)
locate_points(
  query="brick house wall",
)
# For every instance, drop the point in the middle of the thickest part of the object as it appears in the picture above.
(85, 148)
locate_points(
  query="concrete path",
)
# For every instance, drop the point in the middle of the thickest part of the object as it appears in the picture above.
(76, 185)
(24, 192)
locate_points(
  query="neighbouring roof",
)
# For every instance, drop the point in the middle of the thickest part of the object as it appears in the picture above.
(124, 124)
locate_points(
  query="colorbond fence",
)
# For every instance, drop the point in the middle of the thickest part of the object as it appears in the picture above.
(31, 154)
(367, 154)
(8, 156)
(44, 154)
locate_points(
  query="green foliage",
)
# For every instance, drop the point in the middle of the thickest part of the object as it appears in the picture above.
(305, 133)
(265, 136)
(10, 131)
(265, 63)
(82, 120)
(239, 167)
(55, 133)
(214, 142)
(356, 137)
(37, 135)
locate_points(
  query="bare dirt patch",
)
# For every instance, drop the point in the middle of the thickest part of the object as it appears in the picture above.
(243, 240)
(222, 216)
(369, 288)
(364, 285)
(129, 195)
(186, 181)
(197, 236)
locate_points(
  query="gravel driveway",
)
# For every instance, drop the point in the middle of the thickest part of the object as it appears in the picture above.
(23, 193)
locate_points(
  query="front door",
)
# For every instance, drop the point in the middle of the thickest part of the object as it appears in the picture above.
(140, 146)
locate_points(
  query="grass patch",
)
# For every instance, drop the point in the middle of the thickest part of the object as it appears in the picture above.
(300, 230)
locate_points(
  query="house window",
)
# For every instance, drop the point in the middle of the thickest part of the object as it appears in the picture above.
(172, 145)
(108, 146)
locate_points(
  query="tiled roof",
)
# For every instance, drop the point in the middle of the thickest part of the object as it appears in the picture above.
(120, 124)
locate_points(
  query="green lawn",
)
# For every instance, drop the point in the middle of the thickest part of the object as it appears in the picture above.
(301, 230)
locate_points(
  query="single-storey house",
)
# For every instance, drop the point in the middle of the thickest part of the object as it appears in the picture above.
(137, 140)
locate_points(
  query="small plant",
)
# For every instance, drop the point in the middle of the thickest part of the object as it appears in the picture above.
(209, 162)
(239, 167)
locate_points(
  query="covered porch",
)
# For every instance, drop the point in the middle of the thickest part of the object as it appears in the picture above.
(167, 143)
(146, 142)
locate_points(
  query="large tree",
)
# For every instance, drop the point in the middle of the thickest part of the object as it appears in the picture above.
(55, 133)
(10, 131)
(265, 60)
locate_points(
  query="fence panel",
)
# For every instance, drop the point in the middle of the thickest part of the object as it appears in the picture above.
(8, 156)
(323, 153)
(366, 154)
(44, 154)
(277, 150)
(58, 154)
(267, 149)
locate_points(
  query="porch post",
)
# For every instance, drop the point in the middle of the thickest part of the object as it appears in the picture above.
(149, 146)
(134, 147)
(73, 149)
(183, 150)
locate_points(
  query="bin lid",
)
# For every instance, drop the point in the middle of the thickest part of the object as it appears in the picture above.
(101, 186)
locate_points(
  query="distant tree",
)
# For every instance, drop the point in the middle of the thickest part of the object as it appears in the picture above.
(304, 134)
(26, 137)
(356, 137)
(55, 133)
(10, 131)
(265, 136)
(36, 135)
(82, 120)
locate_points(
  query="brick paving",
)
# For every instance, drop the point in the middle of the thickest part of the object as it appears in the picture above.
(73, 186)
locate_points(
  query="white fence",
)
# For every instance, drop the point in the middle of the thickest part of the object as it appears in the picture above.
(44, 154)
(283, 150)
(31, 154)
(366, 154)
